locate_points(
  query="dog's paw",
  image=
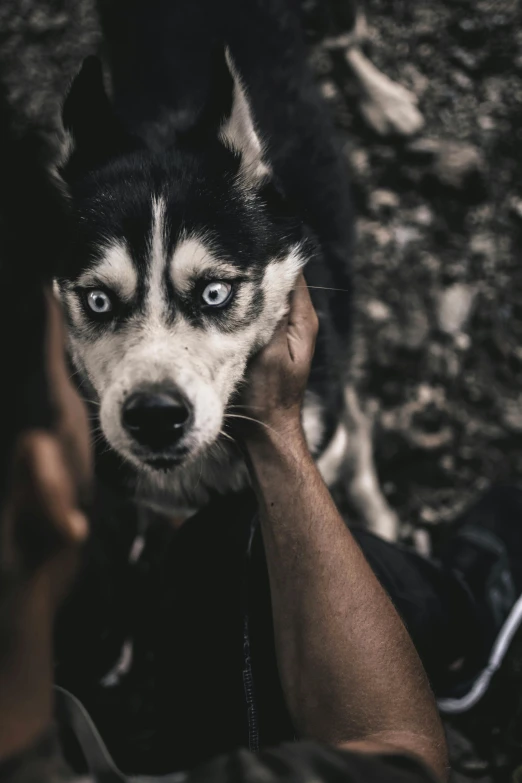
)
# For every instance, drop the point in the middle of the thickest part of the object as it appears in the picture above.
(364, 489)
(388, 107)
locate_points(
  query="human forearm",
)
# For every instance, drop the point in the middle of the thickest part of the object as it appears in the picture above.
(348, 667)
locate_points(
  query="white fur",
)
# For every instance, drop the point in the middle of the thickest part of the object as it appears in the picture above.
(206, 363)
(365, 491)
(331, 461)
(192, 259)
(280, 275)
(156, 301)
(239, 132)
(313, 424)
(116, 271)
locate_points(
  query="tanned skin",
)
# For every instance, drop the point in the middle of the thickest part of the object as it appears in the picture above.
(349, 670)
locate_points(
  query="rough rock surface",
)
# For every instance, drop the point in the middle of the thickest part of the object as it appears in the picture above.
(438, 273)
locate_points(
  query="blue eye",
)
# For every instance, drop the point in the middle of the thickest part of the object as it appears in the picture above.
(99, 302)
(217, 293)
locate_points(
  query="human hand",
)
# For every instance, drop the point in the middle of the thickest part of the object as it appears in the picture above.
(278, 374)
(43, 512)
(43, 523)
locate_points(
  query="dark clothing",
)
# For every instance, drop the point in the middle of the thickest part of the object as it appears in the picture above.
(436, 607)
(292, 763)
(196, 609)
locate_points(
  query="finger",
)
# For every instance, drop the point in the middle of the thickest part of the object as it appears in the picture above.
(301, 307)
(279, 335)
(55, 489)
(277, 340)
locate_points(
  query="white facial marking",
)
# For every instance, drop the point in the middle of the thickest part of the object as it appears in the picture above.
(281, 275)
(156, 294)
(192, 259)
(115, 271)
(156, 353)
(205, 362)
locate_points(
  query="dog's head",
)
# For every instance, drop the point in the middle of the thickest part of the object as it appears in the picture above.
(188, 256)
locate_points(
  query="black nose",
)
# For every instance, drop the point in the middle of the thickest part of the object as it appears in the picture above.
(156, 419)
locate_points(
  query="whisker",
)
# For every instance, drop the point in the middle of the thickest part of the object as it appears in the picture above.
(226, 435)
(109, 450)
(267, 426)
(255, 421)
(88, 401)
(100, 441)
(325, 288)
(249, 407)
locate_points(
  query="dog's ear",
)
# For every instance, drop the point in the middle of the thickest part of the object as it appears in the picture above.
(95, 134)
(239, 132)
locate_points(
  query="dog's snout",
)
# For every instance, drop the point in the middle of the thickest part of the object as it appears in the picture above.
(156, 420)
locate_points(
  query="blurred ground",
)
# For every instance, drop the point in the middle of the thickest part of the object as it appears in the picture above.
(438, 273)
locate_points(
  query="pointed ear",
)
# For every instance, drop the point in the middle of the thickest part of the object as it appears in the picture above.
(95, 133)
(239, 133)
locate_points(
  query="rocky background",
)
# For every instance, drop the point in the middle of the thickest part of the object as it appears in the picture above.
(438, 268)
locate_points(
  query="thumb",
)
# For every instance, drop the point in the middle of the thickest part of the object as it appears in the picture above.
(301, 307)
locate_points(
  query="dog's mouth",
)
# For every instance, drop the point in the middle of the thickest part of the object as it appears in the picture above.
(164, 464)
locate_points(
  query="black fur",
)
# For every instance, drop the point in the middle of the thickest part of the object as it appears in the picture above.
(163, 58)
(171, 91)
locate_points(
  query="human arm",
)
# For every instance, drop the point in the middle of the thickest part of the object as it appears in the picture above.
(350, 673)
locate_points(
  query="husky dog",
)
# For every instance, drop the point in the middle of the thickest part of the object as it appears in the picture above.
(188, 257)
(201, 188)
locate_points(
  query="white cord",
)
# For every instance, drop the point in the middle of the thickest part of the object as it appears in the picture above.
(480, 686)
